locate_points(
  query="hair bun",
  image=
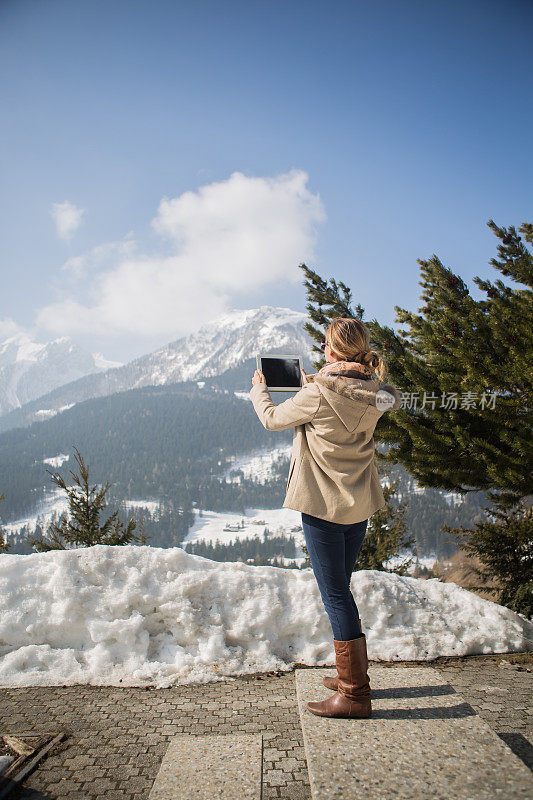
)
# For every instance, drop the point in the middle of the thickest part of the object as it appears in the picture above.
(350, 340)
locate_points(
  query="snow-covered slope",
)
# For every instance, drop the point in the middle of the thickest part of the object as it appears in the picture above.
(221, 345)
(133, 615)
(225, 343)
(30, 369)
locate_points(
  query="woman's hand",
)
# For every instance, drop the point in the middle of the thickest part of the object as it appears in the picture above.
(258, 377)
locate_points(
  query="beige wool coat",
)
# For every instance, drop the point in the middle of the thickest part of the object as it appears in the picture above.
(332, 472)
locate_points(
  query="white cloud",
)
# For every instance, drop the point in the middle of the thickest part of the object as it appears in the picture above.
(232, 235)
(67, 218)
(101, 256)
(8, 328)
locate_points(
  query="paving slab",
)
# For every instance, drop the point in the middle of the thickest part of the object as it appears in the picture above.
(423, 740)
(119, 735)
(203, 767)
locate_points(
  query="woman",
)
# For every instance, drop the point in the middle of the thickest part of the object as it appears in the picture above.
(333, 481)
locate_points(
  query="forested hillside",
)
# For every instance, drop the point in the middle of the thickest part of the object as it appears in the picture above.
(173, 445)
(166, 442)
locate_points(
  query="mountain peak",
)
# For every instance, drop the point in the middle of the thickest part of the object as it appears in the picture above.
(225, 343)
(30, 368)
(230, 339)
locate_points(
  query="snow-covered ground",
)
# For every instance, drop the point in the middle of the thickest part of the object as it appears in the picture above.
(210, 526)
(134, 615)
(152, 506)
(56, 461)
(48, 413)
(404, 555)
(280, 522)
(258, 465)
(55, 502)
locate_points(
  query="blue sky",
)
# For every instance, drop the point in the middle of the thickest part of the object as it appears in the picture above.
(165, 161)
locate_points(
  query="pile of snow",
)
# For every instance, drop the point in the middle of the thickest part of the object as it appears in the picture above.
(133, 615)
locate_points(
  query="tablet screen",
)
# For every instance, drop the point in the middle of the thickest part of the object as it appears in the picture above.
(281, 372)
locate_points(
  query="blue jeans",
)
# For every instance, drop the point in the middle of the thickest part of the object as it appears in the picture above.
(333, 549)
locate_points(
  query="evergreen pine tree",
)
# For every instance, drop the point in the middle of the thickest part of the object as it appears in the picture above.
(82, 528)
(505, 548)
(482, 352)
(386, 536)
(4, 544)
(465, 370)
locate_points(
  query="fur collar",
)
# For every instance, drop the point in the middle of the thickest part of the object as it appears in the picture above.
(362, 390)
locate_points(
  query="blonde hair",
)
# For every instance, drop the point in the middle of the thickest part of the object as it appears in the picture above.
(350, 340)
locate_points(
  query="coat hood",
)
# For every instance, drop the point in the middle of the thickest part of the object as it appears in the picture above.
(349, 397)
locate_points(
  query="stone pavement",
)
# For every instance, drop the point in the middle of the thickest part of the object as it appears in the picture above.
(422, 741)
(224, 766)
(118, 736)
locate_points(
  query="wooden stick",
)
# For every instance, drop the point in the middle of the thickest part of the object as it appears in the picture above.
(12, 783)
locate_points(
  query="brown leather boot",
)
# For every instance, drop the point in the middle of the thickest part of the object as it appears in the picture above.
(332, 681)
(352, 699)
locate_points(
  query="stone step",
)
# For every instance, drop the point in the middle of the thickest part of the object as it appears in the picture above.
(422, 741)
(204, 767)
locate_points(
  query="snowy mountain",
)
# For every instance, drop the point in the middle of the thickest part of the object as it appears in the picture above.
(227, 343)
(30, 369)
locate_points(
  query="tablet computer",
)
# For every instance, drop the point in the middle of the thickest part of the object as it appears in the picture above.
(282, 373)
